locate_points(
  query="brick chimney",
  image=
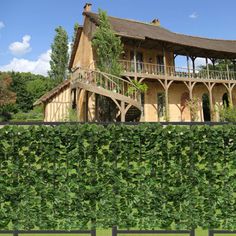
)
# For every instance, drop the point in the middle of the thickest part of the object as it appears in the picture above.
(156, 22)
(87, 7)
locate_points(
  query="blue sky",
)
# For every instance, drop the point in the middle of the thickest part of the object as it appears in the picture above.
(27, 26)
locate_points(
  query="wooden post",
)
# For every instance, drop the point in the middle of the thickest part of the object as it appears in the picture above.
(135, 63)
(227, 69)
(210, 88)
(211, 104)
(230, 97)
(188, 66)
(122, 112)
(114, 231)
(164, 59)
(213, 60)
(193, 61)
(234, 63)
(207, 66)
(167, 100)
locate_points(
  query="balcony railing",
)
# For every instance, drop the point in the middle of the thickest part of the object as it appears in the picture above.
(107, 81)
(155, 69)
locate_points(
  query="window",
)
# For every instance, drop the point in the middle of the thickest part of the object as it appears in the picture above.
(74, 97)
(139, 61)
(161, 106)
(160, 64)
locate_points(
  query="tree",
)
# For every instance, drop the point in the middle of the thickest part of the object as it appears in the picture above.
(220, 65)
(76, 26)
(108, 46)
(6, 95)
(59, 55)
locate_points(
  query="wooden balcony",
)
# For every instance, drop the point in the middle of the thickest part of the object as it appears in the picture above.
(149, 70)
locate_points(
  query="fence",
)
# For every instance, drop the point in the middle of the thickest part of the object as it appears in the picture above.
(56, 232)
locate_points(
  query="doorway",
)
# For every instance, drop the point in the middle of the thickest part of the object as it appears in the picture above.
(206, 107)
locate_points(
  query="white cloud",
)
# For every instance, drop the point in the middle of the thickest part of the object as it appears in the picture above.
(21, 48)
(40, 66)
(1, 25)
(194, 15)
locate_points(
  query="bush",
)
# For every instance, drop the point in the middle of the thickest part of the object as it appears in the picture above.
(35, 115)
(227, 114)
(145, 176)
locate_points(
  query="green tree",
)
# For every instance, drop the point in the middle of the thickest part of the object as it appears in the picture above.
(6, 95)
(108, 46)
(76, 26)
(59, 55)
(220, 65)
(29, 88)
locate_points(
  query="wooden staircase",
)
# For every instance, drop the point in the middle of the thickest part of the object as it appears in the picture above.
(123, 93)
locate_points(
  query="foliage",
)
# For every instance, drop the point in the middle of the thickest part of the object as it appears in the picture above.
(227, 114)
(108, 46)
(142, 87)
(6, 95)
(72, 115)
(59, 55)
(76, 26)
(34, 115)
(25, 89)
(29, 88)
(193, 105)
(145, 176)
(220, 65)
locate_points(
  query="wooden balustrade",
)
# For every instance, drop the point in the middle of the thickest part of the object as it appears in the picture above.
(107, 81)
(155, 69)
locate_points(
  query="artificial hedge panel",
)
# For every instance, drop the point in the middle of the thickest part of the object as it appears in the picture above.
(145, 176)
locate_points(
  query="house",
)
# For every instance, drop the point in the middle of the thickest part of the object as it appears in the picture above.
(149, 57)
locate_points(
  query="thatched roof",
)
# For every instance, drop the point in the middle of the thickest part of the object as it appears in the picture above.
(53, 92)
(180, 43)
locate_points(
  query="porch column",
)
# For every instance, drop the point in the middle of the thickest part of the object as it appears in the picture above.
(122, 111)
(164, 60)
(167, 103)
(210, 88)
(135, 63)
(234, 63)
(227, 69)
(207, 66)
(231, 97)
(188, 65)
(213, 60)
(193, 61)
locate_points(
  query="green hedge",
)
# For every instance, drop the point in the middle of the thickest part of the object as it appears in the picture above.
(145, 176)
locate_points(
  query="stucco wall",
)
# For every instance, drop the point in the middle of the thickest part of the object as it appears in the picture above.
(84, 53)
(176, 90)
